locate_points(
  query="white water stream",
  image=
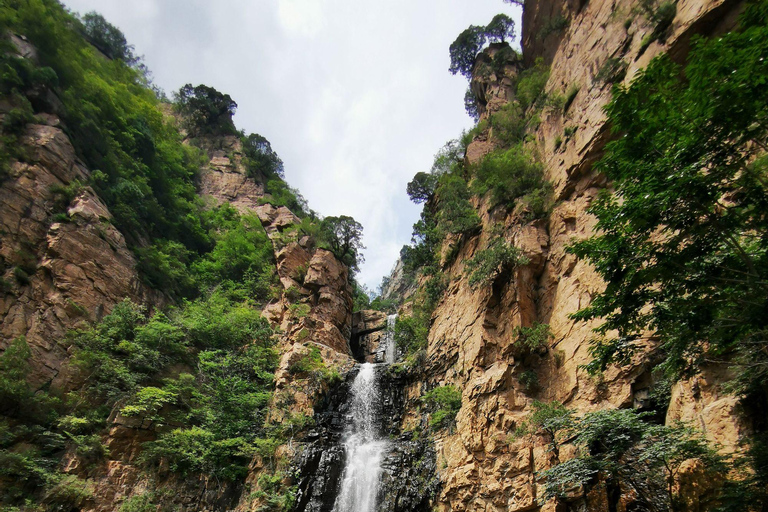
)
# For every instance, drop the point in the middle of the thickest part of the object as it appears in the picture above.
(390, 353)
(364, 448)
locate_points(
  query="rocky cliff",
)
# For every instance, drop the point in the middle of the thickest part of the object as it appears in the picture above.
(472, 334)
(65, 264)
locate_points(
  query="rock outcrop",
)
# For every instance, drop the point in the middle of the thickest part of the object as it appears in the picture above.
(62, 260)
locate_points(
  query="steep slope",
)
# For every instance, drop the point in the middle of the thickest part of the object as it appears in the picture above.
(475, 331)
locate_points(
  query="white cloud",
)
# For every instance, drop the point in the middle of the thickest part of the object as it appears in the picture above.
(303, 18)
(354, 95)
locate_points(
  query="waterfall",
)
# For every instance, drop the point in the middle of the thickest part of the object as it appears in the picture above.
(364, 449)
(390, 354)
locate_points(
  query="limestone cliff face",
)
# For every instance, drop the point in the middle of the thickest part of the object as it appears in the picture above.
(471, 338)
(63, 262)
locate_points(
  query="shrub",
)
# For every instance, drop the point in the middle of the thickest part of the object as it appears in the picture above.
(497, 260)
(529, 380)
(511, 175)
(299, 310)
(508, 124)
(455, 215)
(530, 85)
(139, 503)
(444, 403)
(618, 449)
(534, 338)
(261, 159)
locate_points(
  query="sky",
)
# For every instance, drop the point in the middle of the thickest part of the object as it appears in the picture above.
(354, 95)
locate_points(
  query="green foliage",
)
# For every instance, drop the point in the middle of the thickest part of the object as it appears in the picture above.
(456, 215)
(621, 450)
(243, 257)
(500, 28)
(422, 187)
(281, 194)
(464, 50)
(107, 38)
(411, 332)
(139, 503)
(529, 380)
(534, 338)
(222, 407)
(508, 124)
(206, 111)
(681, 245)
(470, 105)
(312, 366)
(495, 261)
(512, 176)
(261, 159)
(148, 401)
(361, 297)
(343, 237)
(530, 85)
(444, 403)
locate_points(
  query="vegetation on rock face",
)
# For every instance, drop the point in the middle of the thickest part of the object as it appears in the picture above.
(443, 403)
(623, 453)
(463, 51)
(682, 243)
(496, 260)
(206, 110)
(343, 237)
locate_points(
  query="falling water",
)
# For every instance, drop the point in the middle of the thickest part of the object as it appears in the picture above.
(364, 449)
(390, 354)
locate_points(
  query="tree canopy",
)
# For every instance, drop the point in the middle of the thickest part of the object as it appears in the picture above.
(107, 38)
(262, 159)
(421, 187)
(501, 28)
(464, 50)
(343, 236)
(209, 111)
(683, 243)
(470, 42)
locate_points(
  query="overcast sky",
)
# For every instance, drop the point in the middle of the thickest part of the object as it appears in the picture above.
(354, 95)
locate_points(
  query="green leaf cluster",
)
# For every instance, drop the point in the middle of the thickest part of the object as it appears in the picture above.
(443, 403)
(619, 449)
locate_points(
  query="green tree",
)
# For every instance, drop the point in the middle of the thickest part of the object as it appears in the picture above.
(464, 50)
(682, 244)
(209, 111)
(262, 159)
(619, 449)
(107, 38)
(421, 188)
(343, 236)
(501, 28)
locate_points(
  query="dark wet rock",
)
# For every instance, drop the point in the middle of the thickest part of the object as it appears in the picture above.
(409, 479)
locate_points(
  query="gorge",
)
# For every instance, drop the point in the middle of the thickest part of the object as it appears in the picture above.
(578, 324)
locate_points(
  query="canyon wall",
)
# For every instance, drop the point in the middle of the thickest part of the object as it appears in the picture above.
(471, 339)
